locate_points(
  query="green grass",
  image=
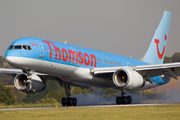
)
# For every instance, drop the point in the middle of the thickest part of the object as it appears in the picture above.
(160, 112)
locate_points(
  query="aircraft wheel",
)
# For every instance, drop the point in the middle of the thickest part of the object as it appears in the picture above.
(74, 101)
(63, 102)
(118, 100)
(125, 101)
(70, 101)
(129, 99)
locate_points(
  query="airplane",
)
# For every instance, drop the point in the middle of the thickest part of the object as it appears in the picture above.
(38, 59)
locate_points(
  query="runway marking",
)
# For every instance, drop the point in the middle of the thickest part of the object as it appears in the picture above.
(127, 105)
(10, 109)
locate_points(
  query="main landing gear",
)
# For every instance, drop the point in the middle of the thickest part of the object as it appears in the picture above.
(123, 99)
(68, 101)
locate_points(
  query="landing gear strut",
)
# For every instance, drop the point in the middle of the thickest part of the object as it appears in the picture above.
(28, 82)
(123, 99)
(68, 101)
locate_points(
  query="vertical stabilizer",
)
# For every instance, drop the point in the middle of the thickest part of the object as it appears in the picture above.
(156, 51)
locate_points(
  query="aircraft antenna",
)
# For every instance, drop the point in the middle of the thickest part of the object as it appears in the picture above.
(65, 41)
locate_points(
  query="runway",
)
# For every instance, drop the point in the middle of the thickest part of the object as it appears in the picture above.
(13, 109)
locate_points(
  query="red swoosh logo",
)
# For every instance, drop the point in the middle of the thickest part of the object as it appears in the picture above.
(31, 44)
(160, 55)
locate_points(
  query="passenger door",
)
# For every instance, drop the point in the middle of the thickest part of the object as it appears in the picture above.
(41, 49)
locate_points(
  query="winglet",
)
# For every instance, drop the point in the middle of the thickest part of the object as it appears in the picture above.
(156, 51)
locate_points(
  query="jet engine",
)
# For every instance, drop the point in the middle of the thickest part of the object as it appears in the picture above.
(20, 82)
(127, 78)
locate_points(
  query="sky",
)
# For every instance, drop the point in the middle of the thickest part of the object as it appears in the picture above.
(123, 27)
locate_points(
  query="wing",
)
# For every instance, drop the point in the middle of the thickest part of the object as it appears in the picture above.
(164, 70)
(18, 71)
(43, 76)
(168, 70)
(10, 71)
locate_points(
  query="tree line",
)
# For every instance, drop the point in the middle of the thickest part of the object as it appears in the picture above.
(174, 58)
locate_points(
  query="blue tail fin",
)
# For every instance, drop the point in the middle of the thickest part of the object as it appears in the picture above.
(156, 51)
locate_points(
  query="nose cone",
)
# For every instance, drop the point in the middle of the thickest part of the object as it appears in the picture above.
(11, 59)
(15, 59)
(7, 56)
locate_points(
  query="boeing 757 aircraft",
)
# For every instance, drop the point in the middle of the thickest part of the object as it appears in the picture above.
(39, 59)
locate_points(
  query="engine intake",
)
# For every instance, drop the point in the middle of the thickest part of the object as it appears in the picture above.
(127, 78)
(37, 83)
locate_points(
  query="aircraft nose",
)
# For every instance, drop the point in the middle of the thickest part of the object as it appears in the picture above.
(11, 59)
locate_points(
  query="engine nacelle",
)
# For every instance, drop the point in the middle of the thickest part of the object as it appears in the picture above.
(127, 78)
(37, 84)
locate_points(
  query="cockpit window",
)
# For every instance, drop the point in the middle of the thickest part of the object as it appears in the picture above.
(17, 47)
(25, 47)
(29, 47)
(10, 47)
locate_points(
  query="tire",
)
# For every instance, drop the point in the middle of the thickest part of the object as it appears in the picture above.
(118, 100)
(74, 101)
(125, 101)
(63, 102)
(129, 99)
(70, 101)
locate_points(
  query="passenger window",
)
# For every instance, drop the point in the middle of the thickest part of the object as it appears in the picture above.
(17, 47)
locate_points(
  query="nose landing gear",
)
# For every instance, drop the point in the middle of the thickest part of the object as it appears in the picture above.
(28, 82)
